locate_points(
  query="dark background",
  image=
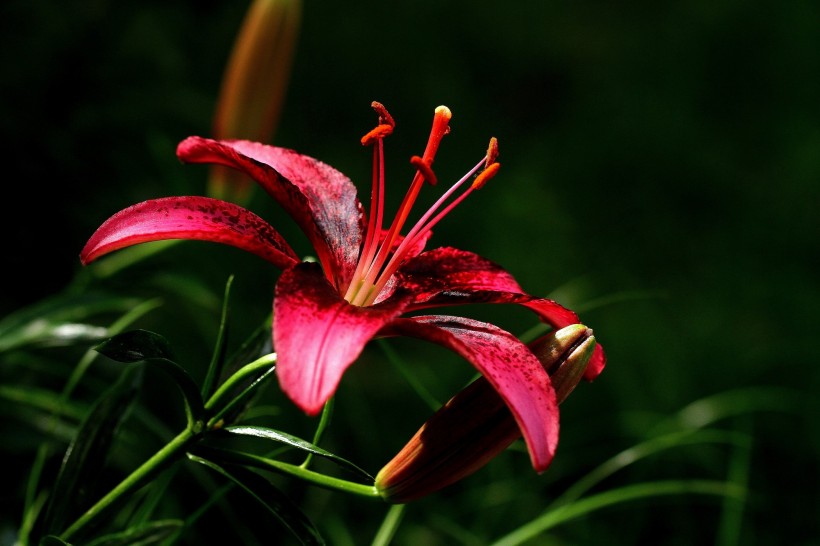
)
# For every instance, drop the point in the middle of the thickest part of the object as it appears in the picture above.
(661, 174)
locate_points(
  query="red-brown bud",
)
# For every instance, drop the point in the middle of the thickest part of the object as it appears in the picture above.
(254, 85)
(475, 425)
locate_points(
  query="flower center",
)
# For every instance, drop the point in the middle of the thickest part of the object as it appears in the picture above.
(377, 263)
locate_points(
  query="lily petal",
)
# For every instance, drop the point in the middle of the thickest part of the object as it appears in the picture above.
(436, 272)
(200, 218)
(449, 276)
(318, 335)
(319, 198)
(507, 364)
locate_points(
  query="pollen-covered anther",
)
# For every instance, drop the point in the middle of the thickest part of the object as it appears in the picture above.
(492, 152)
(384, 116)
(485, 175)
(377, 133)
(424, 168)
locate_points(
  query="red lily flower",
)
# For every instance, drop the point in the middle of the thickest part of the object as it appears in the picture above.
(366, 277)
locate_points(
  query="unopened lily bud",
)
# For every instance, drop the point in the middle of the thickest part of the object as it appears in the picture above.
(565, 355)
(254, 85)
(475, 425)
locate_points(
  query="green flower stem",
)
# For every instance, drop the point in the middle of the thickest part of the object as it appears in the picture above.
(240, 375)
(150, 468)
(389, 526)
(316, 478)
(214, 421)
(324, 421)
(176, 447)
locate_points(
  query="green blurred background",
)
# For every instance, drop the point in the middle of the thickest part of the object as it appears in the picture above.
(661, 174)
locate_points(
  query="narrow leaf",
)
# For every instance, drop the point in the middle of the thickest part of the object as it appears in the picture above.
(143, 535)
(218, 358)
(142, 345)
(52, 540)
(638, 491)
(134, 346)
(271, 498)
(58, 321)
(85, 457)
(298, 443)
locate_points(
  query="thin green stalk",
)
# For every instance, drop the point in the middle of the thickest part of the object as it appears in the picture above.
(641, 451)
(238, 399)
(389, 526)
(215, 367)
(731, 520)
(316, 478)
(553, 518)
(324, 421)
(423, 392)
(171, 451)
(30, 515)
(240, 375)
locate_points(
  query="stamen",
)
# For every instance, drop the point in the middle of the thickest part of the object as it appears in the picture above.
(485, 176)
(374, 224)
(441, 120)
(385, 127)
(492, 153)
(377, 133)
(377, 263)
(384, 116)
(422, 227)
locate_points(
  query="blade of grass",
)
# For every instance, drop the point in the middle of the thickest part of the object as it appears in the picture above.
(218, 358)
(643, 450)
(554, 517)
(423, 392)
(731, 518)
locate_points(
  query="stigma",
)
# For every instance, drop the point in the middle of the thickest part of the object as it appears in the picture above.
(381, 256)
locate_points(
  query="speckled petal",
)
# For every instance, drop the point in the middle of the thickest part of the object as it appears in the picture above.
(507, 364)
(199, 218)
(319, 198)
(318, 335)
(449, 276)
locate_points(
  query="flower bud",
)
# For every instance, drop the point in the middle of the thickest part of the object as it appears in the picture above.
(475, 425)
(254, 85)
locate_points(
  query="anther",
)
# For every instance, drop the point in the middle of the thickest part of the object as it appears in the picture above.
(492, 153)
(377, 133)
(384, 116)
(424, 169)
(485, 175)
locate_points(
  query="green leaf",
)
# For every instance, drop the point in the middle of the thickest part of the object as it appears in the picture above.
(242, 458)
(135, 346)
(142, 345)
(85, 457)
(226, 403)
(58, 321)
(298, 443)
(51, 540)
(643, 450)
(150, 533)
(44, 400)
(218, 358)
(271, 498)
(582, 507)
